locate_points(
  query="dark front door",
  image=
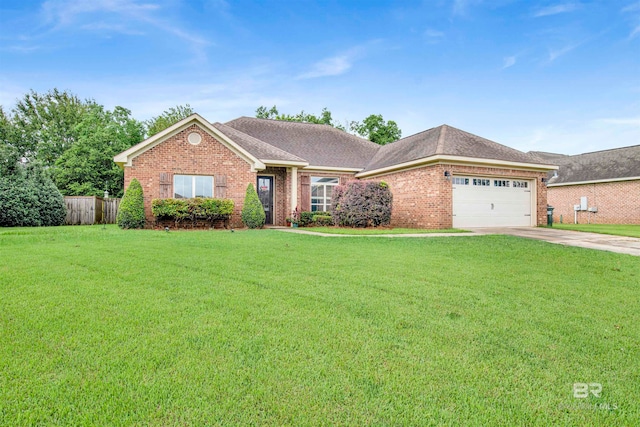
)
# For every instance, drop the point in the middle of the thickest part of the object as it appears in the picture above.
(265, 193)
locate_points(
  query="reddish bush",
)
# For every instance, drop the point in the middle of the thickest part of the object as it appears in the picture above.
(362, 204)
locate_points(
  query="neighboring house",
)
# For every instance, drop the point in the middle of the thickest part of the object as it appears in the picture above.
(603, 185)
(440, 178)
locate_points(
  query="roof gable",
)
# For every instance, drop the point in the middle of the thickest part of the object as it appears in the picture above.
(606, 165)
(446, 140)
(125, 158)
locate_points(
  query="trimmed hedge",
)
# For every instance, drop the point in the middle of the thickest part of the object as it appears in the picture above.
(362, 204)
(29, 198)
(322, 220)
(179, 209)
(253, 215)
(131, 209)
(308, 218)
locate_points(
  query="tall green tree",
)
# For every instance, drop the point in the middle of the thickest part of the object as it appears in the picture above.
(45, 124)
(375, 129)
(168, 118)
(87, 167)
(9, 153)
(324, 118)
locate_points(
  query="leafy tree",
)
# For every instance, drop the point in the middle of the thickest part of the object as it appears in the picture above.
(253, 215)
(168, 118)
(323, 119)
(375, 129)
(87, 167)
(131, 209)
(45, 125)
(29, 198)
(9, 154)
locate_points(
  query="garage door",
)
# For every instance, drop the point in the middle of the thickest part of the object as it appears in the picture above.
(491, 202)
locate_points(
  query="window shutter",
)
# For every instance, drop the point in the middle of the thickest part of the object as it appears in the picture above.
(165, 185)
(221, 186)
(305, 193)
(343, 180)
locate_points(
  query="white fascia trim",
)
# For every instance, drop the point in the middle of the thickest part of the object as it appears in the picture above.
(125, 158)
(469, 161)
(332, 169)
(595, 181)
(285, 163)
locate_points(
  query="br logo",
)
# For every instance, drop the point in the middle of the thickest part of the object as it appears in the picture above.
(582, 390)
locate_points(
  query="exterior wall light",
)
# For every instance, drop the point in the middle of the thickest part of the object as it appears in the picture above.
(447, 175)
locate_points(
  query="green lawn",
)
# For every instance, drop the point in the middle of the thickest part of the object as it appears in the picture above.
(375, 231)
(615, 229)
(110, 327)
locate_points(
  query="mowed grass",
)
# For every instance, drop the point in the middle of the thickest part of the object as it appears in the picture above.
(379, 230)
(615, 229)
(111, 327)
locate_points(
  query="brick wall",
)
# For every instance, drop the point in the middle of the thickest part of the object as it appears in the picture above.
(423, 198)
(617, 202)
(177, 156)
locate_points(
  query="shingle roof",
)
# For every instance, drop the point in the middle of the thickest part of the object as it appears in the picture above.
(445, 140)
(598, 165)
(257, 148)
(320, 145)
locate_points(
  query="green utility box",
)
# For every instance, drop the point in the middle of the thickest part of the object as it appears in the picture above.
(550, 215)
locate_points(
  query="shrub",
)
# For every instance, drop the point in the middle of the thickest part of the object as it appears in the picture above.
(252, 211)
(362, 204)
(179, 209)
(322, 220)
(131, 209)
(29, 198)
(307, 218)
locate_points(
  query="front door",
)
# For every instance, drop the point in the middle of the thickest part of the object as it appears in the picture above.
(265, 193)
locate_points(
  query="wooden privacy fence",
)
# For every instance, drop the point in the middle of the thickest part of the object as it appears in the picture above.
(88, 210)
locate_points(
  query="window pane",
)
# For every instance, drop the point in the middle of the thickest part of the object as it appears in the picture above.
(204, 186)
(181, 186)
(317, 191)
(324, 180)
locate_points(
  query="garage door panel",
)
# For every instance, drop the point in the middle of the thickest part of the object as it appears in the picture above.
(491, 205)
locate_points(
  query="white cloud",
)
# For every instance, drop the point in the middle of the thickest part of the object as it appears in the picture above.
(509, 61)
(461, 7)
(557, 53)
(555, 10)
(621, 121)
(433, 36)
(121, 16)
(333, 66)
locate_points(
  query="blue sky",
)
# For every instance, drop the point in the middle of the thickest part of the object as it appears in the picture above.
(561, 76)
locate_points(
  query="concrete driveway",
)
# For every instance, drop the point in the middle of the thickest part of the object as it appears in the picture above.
(603, 242)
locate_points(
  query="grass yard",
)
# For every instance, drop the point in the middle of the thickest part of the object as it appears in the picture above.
(111, 327)
(615, 229)
(379, 230)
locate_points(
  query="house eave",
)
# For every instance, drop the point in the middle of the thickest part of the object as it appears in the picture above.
(595, 181)
(332, 169)
(284, 163)
(460, 160)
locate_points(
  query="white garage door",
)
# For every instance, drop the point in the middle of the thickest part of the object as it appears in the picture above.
(491, 202)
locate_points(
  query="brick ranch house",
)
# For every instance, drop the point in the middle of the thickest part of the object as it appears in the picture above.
(440, 178)
(603, 185)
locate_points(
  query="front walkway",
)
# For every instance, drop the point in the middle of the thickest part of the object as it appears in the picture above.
(603, 242)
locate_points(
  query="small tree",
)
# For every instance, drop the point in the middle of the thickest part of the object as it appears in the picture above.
(362, 204)
(131, 210)
(252, 211)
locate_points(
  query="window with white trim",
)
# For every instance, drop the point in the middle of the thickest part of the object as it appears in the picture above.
(500, 182)
(321, 192)
(189, 186)
(460, 181)
(482, 182)
(520, 184)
